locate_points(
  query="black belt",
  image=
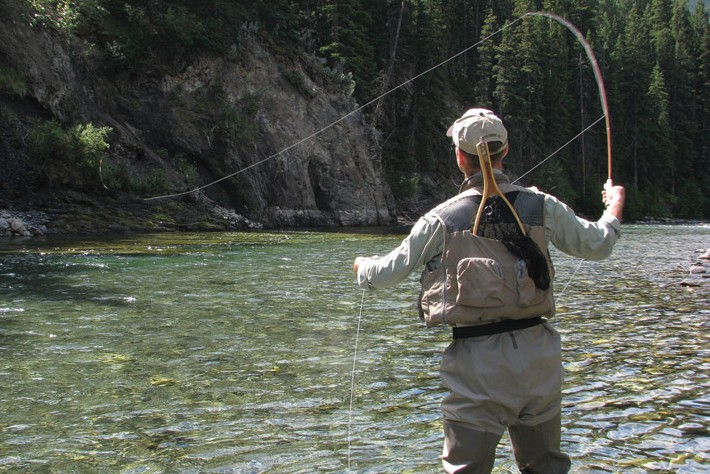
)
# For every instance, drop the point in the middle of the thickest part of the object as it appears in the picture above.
(496, 328)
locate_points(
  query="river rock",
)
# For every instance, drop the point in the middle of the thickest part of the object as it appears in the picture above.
(17, 227)
(24, 224)
(696, 269)
(693, 428)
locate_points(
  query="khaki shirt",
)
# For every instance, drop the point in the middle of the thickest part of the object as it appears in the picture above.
(569, 233)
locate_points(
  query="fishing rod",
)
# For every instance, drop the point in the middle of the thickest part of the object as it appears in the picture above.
(597, 75)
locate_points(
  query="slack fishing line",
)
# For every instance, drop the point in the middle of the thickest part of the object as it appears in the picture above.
(352, 377)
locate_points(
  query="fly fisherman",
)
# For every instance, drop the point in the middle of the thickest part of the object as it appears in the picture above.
(503, 368)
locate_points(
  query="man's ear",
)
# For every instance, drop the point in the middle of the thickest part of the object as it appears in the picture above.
(461, 159)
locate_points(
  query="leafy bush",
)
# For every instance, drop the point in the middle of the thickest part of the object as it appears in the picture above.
(71, 157)
(187, 169)
(12, 82)
(67, 16)
(91, 144)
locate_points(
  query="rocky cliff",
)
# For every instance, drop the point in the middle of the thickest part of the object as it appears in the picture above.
(277, 129)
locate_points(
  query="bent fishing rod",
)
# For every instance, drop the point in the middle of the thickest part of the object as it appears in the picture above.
(597, 75)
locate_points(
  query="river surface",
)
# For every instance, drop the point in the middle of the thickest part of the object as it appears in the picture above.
(233, 353)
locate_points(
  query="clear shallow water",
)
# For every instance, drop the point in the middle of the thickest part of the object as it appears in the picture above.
(233, 353)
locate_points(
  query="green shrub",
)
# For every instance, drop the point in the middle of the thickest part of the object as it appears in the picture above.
(187, 169)
(117, 177)
(91, 144)
(68, 16)
(70, 157)
(47, 140)
(12, 82)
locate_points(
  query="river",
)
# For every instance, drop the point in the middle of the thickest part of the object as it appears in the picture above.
(233, 353)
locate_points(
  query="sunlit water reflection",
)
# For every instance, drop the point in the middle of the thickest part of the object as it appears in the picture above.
(234, 353)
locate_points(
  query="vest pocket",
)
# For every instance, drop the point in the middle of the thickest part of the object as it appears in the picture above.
(431, 304)
(528, 293)
(481, 283)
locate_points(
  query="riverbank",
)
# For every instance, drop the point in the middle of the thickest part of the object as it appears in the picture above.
(65, 216)
(188, 214)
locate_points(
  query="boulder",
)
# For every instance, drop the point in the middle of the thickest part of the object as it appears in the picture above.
(17, 227)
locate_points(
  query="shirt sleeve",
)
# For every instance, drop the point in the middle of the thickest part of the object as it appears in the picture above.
(579, 237)
(424, 243)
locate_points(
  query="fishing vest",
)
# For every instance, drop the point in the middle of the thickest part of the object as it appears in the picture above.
(479, 281)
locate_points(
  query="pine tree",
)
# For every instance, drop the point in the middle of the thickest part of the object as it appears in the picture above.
(701, 144)
(484, 78)
(349, 45)
(631, 69)
(519, 89)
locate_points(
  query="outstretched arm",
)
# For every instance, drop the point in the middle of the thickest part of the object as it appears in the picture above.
(421, 245)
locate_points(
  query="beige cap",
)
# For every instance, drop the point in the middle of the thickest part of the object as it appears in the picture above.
(476, 125)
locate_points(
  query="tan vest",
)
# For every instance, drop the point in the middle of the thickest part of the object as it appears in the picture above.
(479, 280)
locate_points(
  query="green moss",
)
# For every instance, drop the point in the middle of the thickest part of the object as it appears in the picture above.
(12, 82)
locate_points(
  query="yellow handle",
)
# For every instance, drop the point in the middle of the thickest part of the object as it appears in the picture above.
(490, 187)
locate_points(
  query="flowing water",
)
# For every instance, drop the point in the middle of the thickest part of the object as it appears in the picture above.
(233, 353)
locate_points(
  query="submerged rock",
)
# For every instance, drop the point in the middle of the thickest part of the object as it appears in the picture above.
(699, 271)
(693, 428)
(696, 269)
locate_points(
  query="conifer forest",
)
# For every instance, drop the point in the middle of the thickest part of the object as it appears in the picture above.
(416, 65)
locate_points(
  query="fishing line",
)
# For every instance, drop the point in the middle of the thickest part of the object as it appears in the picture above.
(559, 149)
(352, 377)
(574, 273)
(581, 261)
(341, 119)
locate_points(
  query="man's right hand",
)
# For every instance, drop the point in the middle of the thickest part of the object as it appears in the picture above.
(613, 198)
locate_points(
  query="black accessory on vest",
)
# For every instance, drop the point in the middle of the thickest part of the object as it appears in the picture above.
(496, 219)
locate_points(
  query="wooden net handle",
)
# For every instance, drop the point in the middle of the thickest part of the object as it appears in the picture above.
(490, 187)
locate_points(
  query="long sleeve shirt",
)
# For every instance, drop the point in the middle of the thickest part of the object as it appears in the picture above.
(569, 233)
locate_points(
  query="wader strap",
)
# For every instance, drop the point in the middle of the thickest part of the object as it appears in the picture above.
(496, 328)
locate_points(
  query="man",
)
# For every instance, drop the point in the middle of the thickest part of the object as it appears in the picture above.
(503, 368)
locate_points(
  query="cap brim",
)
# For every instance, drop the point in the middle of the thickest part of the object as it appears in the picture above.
(450, 131)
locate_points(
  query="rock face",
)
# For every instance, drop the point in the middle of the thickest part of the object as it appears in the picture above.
(285, 148)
